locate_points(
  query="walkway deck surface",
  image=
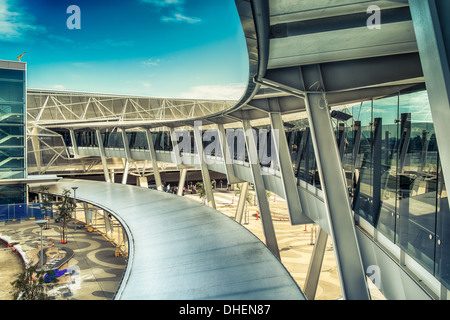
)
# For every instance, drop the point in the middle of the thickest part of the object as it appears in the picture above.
(181, 250)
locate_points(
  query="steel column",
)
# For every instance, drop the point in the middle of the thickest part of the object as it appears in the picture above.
(315, 265)
(102, 155)
(241, 202)
(204, 169)
(289, 183)
(334, 187)
(151, 148)
(227, 161)
(74, 143)
(126, 147)
(263, 202)
(183, 174)
(176, 157)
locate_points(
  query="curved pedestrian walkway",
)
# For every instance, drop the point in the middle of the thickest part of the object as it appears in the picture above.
(183, 250)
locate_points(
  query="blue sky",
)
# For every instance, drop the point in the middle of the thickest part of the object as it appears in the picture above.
(159, 48)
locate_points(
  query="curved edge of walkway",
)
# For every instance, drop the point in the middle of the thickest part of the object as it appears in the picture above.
(183, 250)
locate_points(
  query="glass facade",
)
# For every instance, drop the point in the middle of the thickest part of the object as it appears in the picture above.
(391, 161)
(12, 131)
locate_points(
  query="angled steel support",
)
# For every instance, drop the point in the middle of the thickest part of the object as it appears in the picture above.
(36, 148)
(151, 149)
(176, 156)
(102, 155)
(289, 183)
(241, 203)
(315, 265)
(227, 161)
(183, 173)
(263, 202)
(204, 169)
(432, 29)
(334, 187)
(74, 144)
(126, 147)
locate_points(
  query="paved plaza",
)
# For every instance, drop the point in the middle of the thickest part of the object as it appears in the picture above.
(97, 270)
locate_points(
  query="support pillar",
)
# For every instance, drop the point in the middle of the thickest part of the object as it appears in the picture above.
(126, 168)
(126, 147)
(228, 162)
(315, 265)
(36, 148)
(87, 218)
(112, 175)
(263, 202)
(288, 180)
(151, 148)
(176, 156)
(204, 169)
(102, 155)
(340, 218)
(182, 181)
(241, 202)
(74, 144)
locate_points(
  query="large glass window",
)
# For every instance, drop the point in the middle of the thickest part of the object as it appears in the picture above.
(417, 179)
(10, 194)
(12, 134)
(390, 158)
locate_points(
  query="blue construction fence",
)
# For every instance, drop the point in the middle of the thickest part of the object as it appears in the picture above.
(23, 211)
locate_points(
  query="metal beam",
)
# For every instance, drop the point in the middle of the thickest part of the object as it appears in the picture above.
(126, 147)
(315, 265)
(204, 169)
(182, 181)
(227, 161)
(340, 217)
(102, 155)
(176, 157)
(288, 181)
(74, 143)
(151, 148)
(241, 203)
(334, 23)
(263, 202)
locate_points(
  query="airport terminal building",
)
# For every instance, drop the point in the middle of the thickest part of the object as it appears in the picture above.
(345, 116)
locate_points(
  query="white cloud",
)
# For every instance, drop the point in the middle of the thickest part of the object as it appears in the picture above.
(216, 92)
(164, 3)
(179, 17)
(151, 62)
(58, 87)
(14, 25)
(177, 14)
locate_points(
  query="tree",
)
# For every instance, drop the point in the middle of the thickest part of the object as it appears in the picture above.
(46, 199)
(65, 208)
(200, 190)
(29, 285)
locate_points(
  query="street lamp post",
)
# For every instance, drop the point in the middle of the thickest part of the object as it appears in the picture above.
(41, 224)
(75, 212)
